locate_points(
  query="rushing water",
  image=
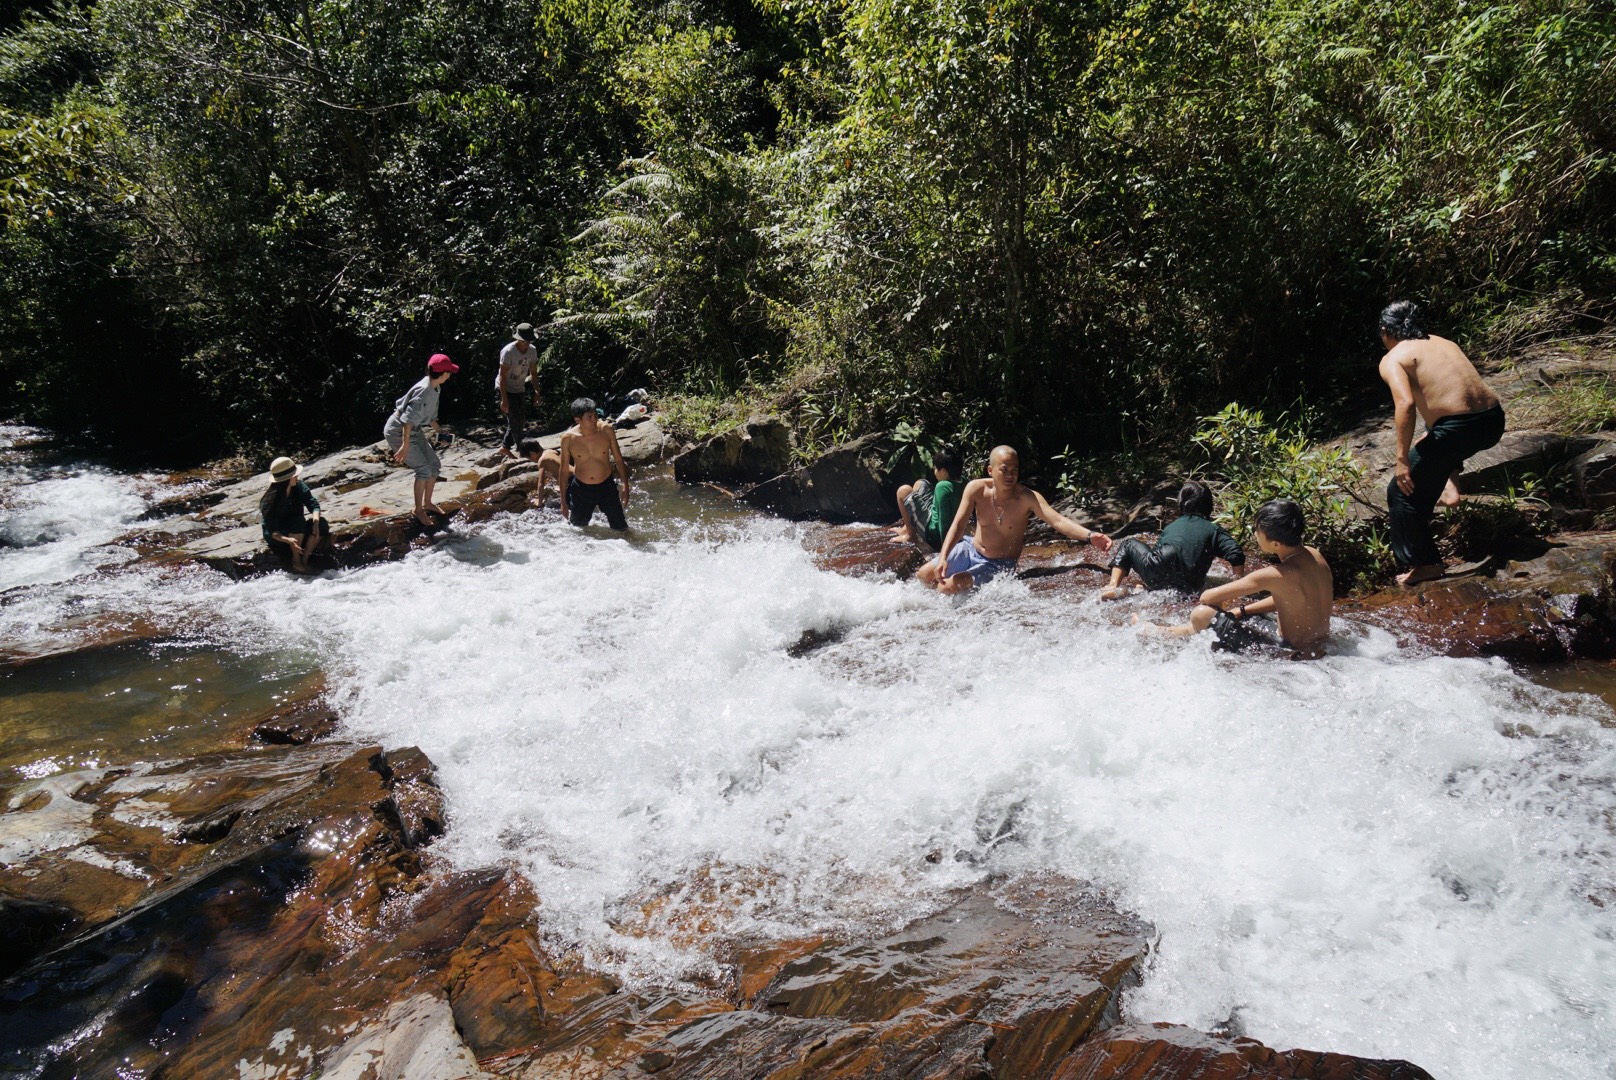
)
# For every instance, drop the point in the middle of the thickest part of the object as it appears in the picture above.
(1379, 853)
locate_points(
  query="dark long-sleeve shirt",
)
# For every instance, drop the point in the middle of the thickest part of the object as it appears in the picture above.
(287, 518)
(1197, 542)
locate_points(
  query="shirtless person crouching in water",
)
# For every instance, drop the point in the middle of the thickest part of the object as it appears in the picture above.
(1300, 588)
(1432, 376)
(1002, 508)
(587, 454)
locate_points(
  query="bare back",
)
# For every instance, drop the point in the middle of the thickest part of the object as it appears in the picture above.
(591, 453)
(1443, 380)
(1303, 589)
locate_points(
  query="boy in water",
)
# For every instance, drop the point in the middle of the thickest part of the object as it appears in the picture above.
(1002, 508)
(548, 461)
(587, 455)
(927, 508)
(1182, 554)
(1300, 588)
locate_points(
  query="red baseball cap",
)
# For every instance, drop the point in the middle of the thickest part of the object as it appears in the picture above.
(441, 363)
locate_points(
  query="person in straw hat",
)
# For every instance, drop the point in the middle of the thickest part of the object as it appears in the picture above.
(293, 526)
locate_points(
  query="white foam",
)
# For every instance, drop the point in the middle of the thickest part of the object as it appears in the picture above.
(1349, 855)
(56, 521)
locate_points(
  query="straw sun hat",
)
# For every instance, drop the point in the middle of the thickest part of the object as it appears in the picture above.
(283, 468)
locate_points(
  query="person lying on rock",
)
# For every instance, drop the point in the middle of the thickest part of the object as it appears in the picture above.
(1293, 618)
(293, 526)
(1432, 376)
(1002, 508)
(926, 507)
(416, 409)
(587, 455)
(1183, 553)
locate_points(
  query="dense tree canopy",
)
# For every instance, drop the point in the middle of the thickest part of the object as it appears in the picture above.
(247, 222)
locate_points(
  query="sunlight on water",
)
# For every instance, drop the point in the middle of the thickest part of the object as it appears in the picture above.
(1349, 854)
(1378, 853)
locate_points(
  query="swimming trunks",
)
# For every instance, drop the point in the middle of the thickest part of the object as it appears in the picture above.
(965, 559)
(1254, 632)
(1442, 452)
(919, 505)
(583, 499)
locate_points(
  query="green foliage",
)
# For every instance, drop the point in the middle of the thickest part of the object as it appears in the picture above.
(1258, 461)
(1580, 405)
(1050, 224)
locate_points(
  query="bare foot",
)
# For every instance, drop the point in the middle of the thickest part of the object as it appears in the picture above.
(423, 516)
(436, 509)
(1116, 592)
(505, 452)
(1428, 572)
(1450, 494)
(902, 535)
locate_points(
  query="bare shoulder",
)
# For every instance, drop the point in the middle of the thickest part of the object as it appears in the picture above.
(974, 488)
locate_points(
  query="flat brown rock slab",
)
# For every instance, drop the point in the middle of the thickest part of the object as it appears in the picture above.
(102, 843)
(79, 635)
(861, 550)
(284, 925)
(1001, 983)
(1168, 1052)
(1551, 607)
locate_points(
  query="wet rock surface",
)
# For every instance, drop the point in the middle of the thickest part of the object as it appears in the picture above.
(1550, 604)
(1168, 1052)
(367, 500)
(269, 911)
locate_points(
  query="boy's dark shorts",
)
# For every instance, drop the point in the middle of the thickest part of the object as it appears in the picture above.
(1253, 633)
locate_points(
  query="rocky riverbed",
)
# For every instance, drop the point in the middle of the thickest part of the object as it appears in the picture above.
(252, 884)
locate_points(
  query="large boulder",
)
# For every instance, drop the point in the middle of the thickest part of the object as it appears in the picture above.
(749, 454)
(852, 482)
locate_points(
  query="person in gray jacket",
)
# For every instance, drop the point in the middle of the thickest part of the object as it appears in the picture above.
(416, 409)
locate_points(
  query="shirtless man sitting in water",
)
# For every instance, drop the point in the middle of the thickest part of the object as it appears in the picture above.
(1300, 588)
(1002, 508)
(587, 455)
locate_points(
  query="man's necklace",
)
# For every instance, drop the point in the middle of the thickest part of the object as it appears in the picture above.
(998, 511)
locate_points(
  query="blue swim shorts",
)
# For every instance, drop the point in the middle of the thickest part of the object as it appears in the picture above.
(965, 559)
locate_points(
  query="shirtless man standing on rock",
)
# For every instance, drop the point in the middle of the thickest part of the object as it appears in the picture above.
(1002, 508)
(1431, 376)
(587, 453)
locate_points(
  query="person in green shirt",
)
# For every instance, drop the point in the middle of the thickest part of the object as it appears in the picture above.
(927, 508)
(1182, 554)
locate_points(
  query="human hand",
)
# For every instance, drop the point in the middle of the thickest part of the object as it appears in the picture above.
(295, 544)
(398, 455)
(1100, 540)
(625, 496)
(1405, 478)
(504, 404)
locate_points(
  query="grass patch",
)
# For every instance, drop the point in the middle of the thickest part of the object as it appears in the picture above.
(1577, 405)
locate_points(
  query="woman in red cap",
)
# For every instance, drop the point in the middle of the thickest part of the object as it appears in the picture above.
(417, 408)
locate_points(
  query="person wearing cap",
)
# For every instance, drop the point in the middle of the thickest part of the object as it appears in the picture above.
(417, 408)
(512, 382)
(293, 525)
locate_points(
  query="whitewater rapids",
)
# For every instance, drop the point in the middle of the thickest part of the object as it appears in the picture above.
(1379, 853)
